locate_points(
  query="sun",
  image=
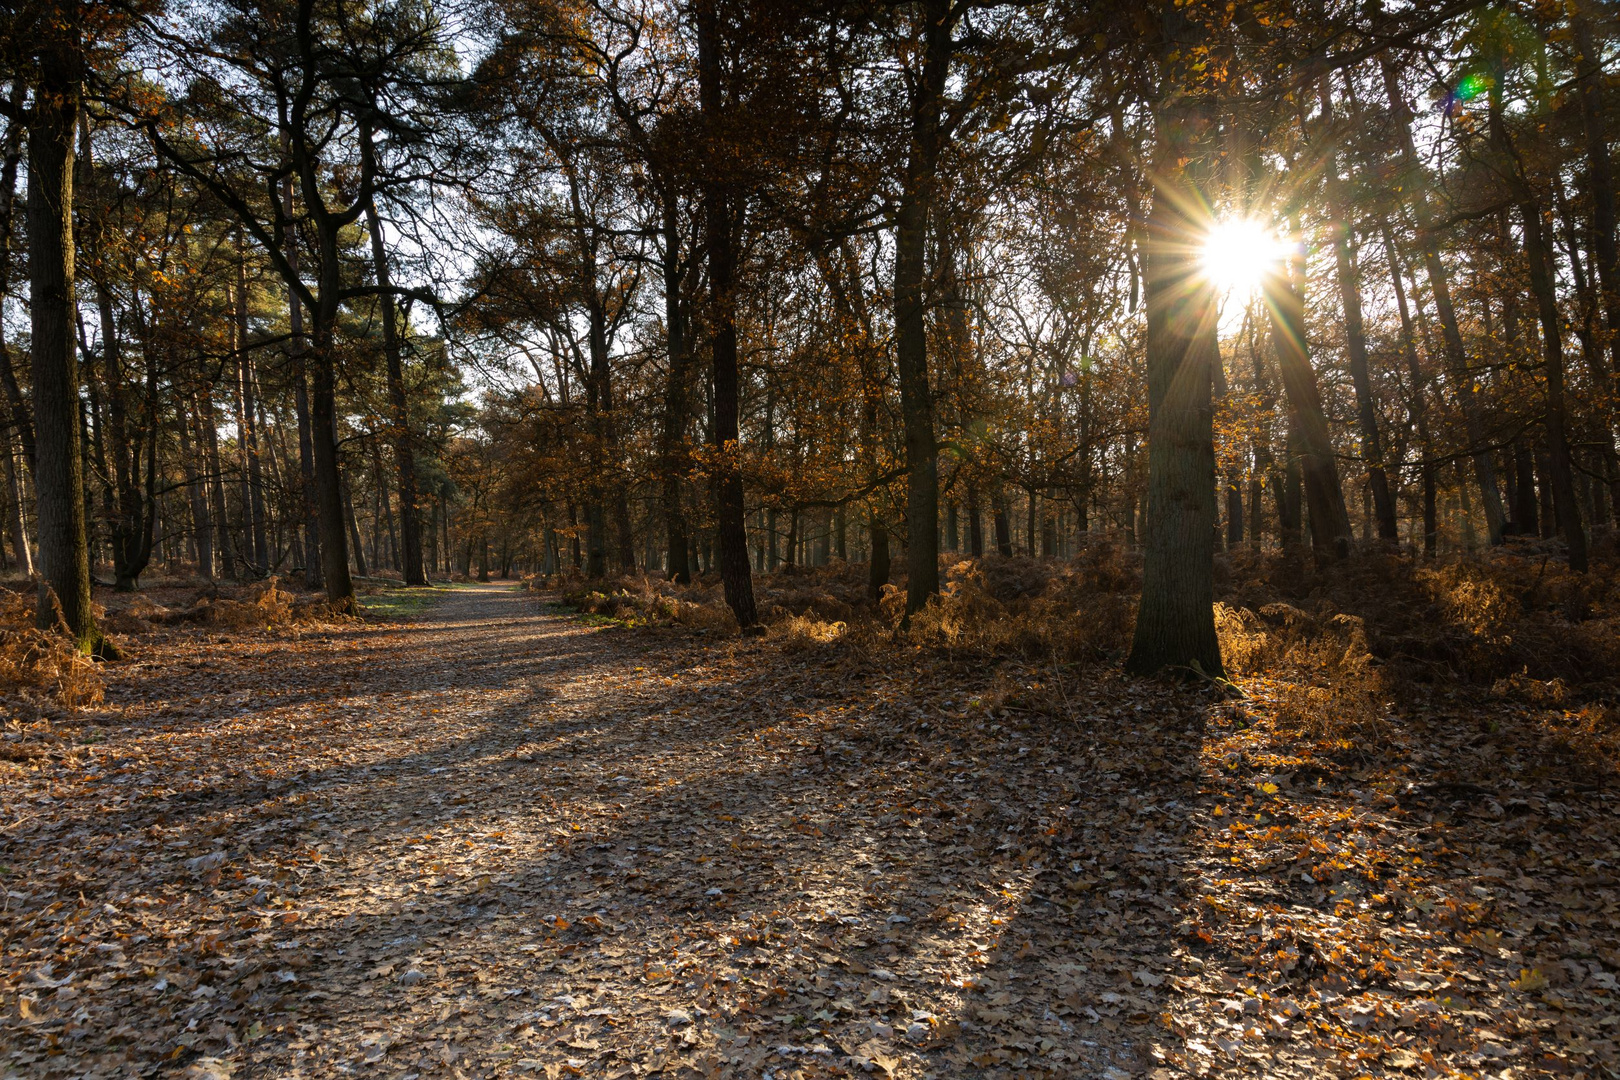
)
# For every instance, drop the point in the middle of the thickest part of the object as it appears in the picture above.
(1240, 252)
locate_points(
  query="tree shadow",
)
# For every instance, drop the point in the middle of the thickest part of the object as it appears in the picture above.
(786, 866)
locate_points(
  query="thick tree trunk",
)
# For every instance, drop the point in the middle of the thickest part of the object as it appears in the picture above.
(1175, 622)
(64, 552)
(1175, 619)
(735, 573)
(146, 501)
(910, 304)
(410, 526)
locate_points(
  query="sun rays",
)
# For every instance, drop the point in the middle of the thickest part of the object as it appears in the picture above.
(1239, 253)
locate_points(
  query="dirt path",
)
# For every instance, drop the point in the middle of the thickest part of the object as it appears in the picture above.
(502, 842)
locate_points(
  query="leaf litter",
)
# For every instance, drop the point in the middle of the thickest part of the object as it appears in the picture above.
(501, 842)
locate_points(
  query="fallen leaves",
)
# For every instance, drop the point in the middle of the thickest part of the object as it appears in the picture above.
(486, 844)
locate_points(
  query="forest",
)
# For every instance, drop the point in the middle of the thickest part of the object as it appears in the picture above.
(809, 538)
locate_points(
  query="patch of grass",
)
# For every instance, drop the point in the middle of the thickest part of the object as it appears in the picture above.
(403, 602)
(587, 618)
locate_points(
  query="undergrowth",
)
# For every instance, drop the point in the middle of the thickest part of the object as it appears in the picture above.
(1337, 652)
(42, 673)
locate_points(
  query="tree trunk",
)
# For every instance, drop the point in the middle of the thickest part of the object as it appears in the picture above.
(202, 522)
(410, 525)
(1003, 524)
(1589, 331)
(1538, 254)
(621, 526)
(975, 523)
(272, 435)
(297, 349)
(353, 527)
(249, 431)
(1417, 406)
(877, 574)
(1522, 492)
(1233, 490)
(1175, 621)
(125, 510)
(1329, 520)
(1291, 509)
(225, 547)
(595, 536)
(1565, 505)
(1456, 358)
(383, 524)
(16, 405)
(329, 493)
(1600, 176)
(1355, 337)
(677, 398)
(910, 305)
(735, 573)
(64, 552)
(19, 516)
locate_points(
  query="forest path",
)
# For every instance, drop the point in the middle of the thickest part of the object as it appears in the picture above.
(501, 842)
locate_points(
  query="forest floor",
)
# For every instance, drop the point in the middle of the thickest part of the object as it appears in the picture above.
(482, 837)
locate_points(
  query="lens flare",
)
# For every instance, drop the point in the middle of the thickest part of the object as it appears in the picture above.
(1239, 253)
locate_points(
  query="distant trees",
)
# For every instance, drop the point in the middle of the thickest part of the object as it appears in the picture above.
(739, 287)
